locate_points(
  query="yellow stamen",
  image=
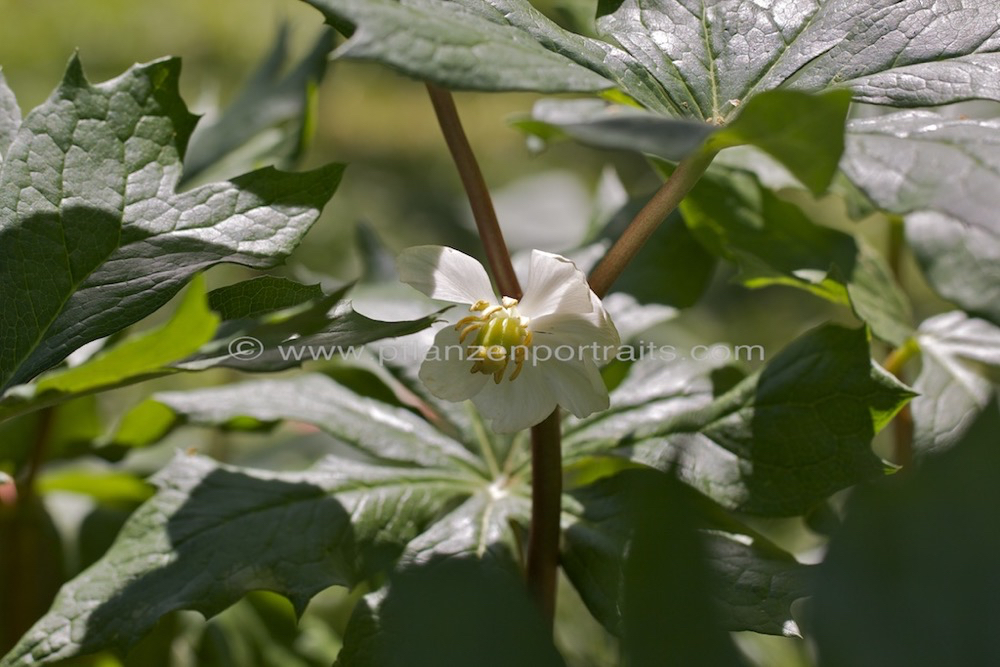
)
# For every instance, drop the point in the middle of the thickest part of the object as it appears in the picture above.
(475, 326)
(501, 334)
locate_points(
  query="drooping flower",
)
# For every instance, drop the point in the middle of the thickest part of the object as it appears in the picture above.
(515, 358)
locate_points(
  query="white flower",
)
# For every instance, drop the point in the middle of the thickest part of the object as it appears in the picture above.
(516, 359)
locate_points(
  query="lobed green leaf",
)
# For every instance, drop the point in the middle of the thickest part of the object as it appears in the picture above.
(959, 375)
(943, 175)
(776, 444)
(213, 533)
(10, 116)
(82, 257)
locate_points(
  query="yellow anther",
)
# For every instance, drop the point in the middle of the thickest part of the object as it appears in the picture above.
(467, 330)
(501, 334)
(518, 365)
(489, 311)
(498, 374)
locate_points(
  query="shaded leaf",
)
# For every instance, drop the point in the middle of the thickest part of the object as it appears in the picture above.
(773, 241)
(911, 577)
(272, 324)
(191, 326)
(876, 296)
(671, 268)
(672, 614)
(259, 296)
(752, 582)
(780, 441)
(99, 254)
(617, 127)
(263, 335)
(805, 133)
(481, 615)
(212, 533)
(134, 359)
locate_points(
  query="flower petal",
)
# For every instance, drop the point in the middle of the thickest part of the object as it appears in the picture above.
(445, 273)
(579, 330)
(446, 372)
(577, 385)
(517, 405)
(554, 284)
(575, 330)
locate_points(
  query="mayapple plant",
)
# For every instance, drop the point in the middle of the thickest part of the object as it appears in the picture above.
(454, 492)
(558, 313)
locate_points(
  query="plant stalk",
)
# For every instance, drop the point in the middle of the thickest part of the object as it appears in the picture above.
(546, 452)
(21, 557)
(546, 508)
(476, 190)
(903, 422)
(656, 210)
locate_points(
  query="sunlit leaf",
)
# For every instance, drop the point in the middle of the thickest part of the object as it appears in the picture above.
(93, 236)
(960, 372)
(943, 175)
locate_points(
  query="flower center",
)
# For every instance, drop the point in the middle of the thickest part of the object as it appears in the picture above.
(501, 336)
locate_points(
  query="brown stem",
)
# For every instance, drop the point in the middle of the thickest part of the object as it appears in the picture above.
(666, 199)
(903, 437)
(475, 189)
(19, 521)
(546, 455)
(36, 456)
(546, 507)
